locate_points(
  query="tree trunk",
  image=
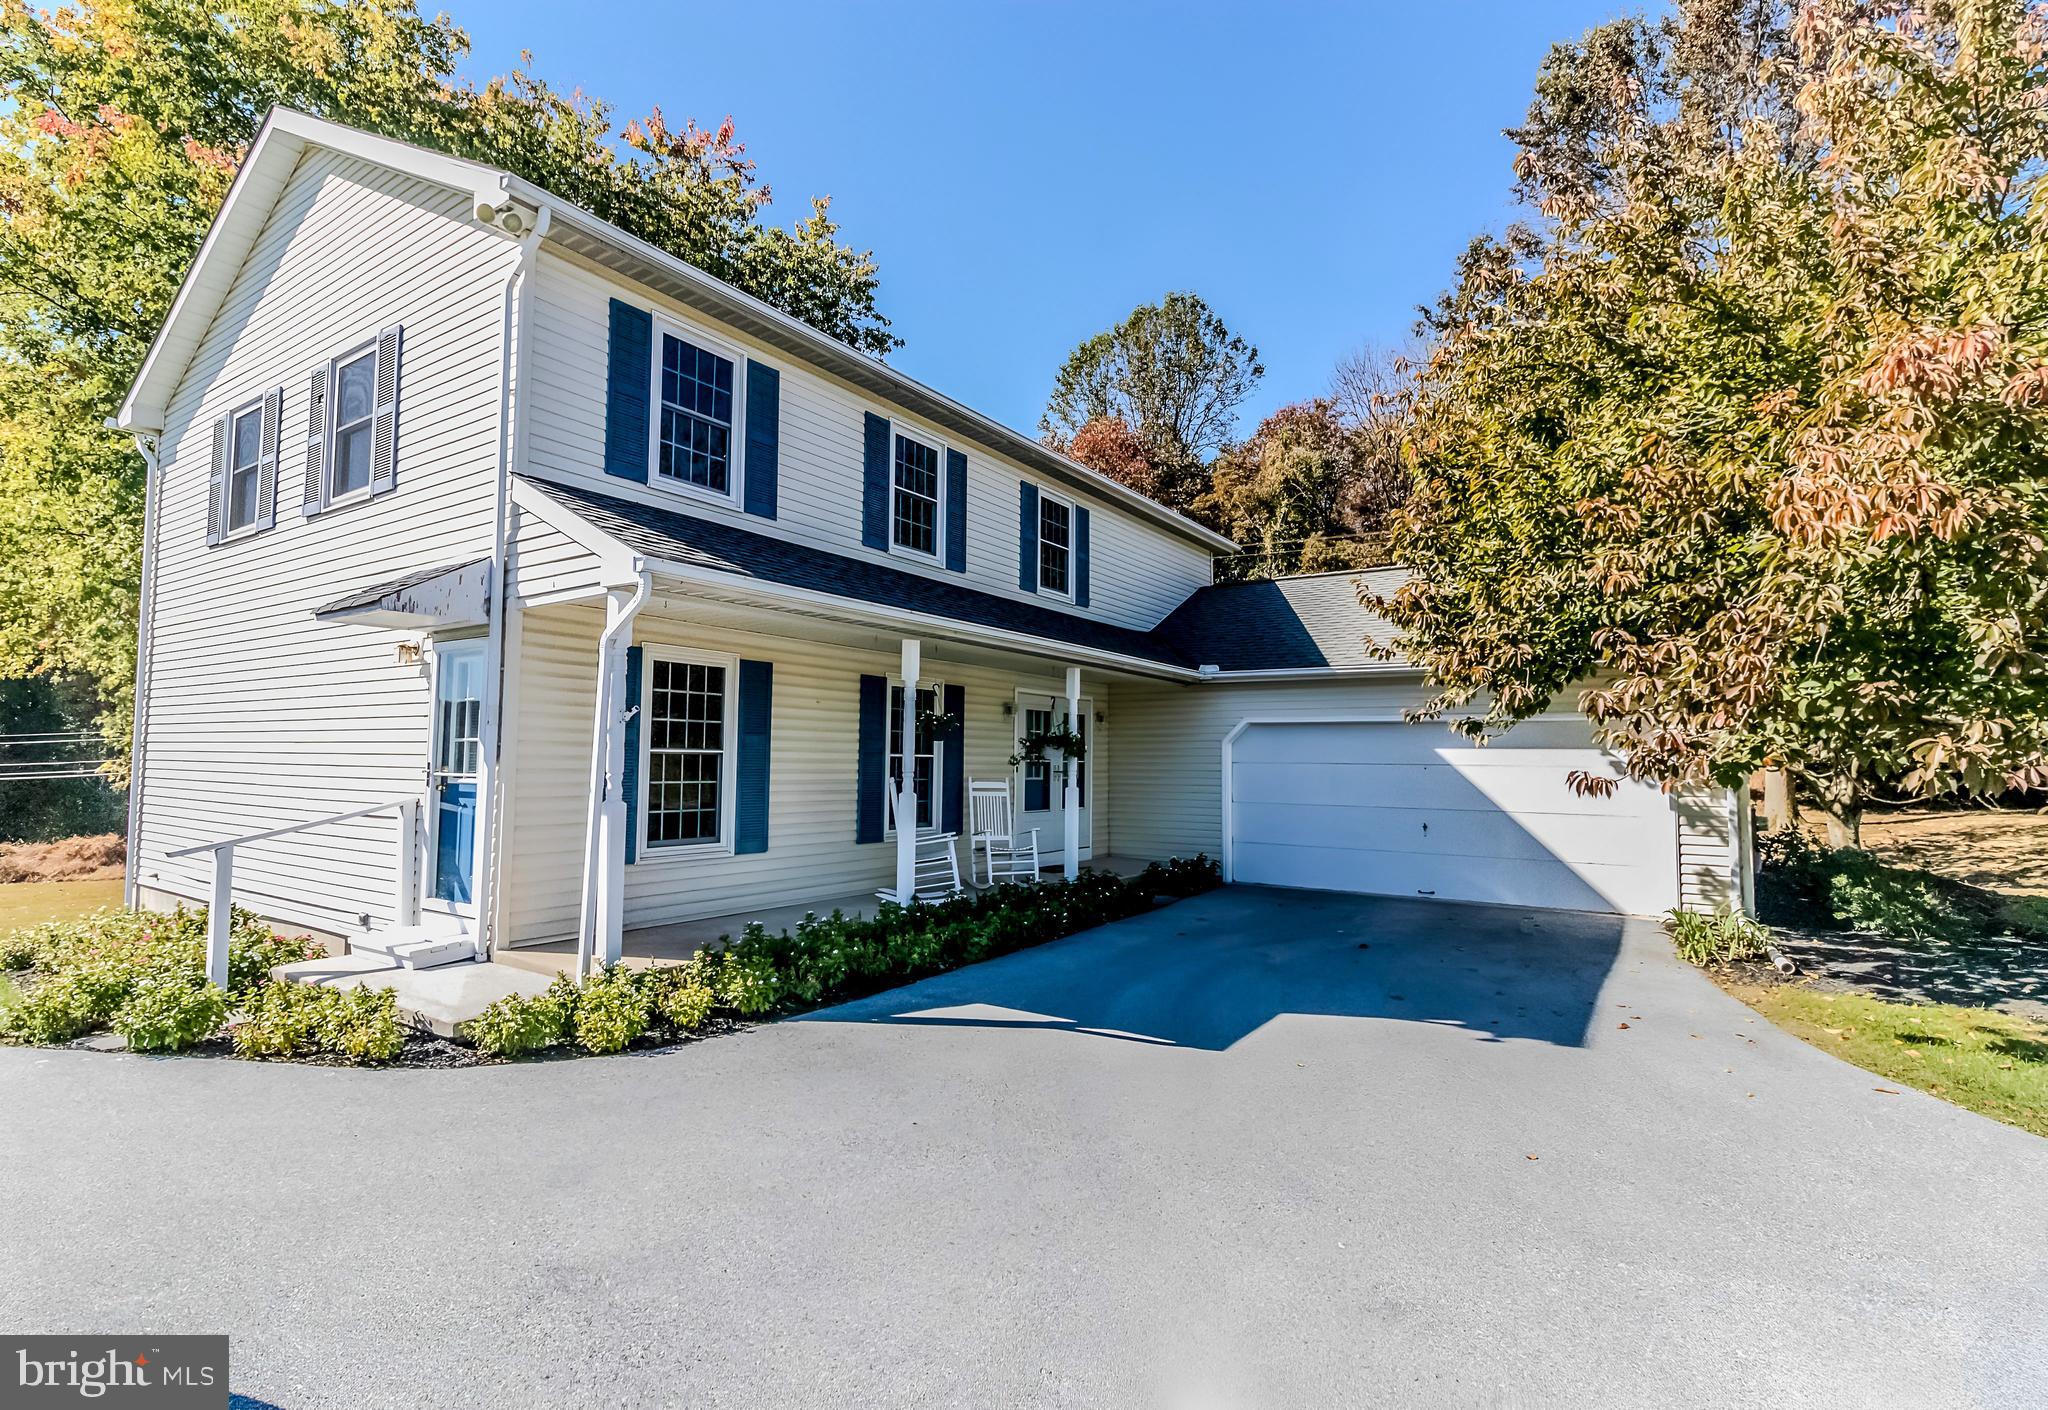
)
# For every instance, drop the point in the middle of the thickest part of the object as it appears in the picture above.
(1779, 815)
(1844, 806)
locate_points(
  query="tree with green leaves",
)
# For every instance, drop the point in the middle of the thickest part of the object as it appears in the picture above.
(1307, 492)
(1747, 425)
(124, 125)
(1173, 374)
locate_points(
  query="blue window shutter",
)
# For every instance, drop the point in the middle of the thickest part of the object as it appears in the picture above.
(955, 781)
(1027, 537)
(1080, 556)
(750, 801)
(625, 407)
(629, 776)
(873, 760)
(956, 510)
(874, 500)
(764, 437)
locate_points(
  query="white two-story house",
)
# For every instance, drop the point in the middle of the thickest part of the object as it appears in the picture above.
(511, 581)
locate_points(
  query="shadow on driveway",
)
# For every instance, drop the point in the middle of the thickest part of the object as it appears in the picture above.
(1209, 971)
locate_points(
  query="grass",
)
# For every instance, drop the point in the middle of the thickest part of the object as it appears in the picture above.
(26, 903)
(1992, 1063)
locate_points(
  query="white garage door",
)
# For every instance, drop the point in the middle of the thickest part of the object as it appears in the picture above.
(1412, 810)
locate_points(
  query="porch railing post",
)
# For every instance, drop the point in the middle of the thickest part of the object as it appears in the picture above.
(220, 914)
(1070, 816)
(407, 875)
(906, 787)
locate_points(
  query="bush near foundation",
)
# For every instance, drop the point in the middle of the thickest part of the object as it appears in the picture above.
(823, 958)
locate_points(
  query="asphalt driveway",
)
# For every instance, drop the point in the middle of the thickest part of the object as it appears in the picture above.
(1260, 1148)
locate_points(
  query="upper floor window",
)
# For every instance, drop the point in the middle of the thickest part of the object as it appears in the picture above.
(245, 472)
(693, 434)
(914, 499)
(355, 408)
(1055, 545)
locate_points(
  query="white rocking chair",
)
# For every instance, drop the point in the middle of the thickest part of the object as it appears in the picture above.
(936, 875)
(1005, 855)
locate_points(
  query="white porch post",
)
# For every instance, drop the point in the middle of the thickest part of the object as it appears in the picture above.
(220, 914)
(601, 932)
(1070, 817)
(906, 788)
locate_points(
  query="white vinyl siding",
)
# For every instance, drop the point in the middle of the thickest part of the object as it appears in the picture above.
(260, 715)
(1137, 573)
(815, 732)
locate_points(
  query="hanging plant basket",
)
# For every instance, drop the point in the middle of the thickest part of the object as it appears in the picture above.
(1064, 742)
(936, 724)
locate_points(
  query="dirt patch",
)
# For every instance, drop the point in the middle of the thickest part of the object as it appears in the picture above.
(2005, 851)
(98, 858)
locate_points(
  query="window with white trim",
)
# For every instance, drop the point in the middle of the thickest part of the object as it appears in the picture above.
(917, 483)
(696, 408)
(924, 751)
(245, 467)
(1055, 545)
(352, 405)
(688, 710)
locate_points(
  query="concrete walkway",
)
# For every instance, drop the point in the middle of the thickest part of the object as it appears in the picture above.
(1258, 1148)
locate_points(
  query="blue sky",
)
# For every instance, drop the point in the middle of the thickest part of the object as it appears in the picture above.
(1027, 173)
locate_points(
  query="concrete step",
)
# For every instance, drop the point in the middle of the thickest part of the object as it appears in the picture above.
(415, 946)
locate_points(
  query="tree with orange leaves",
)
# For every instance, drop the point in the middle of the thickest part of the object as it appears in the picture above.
(1741, 441)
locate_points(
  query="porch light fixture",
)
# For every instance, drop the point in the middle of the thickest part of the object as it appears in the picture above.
(1009, 707)
(409, 653)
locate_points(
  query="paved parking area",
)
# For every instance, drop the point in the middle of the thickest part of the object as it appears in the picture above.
(1260, 1148)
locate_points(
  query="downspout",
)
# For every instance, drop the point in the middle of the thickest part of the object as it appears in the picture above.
(146, 443)
(604, 846)
(512, 339)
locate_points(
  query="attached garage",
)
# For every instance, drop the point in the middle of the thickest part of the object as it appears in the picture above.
(1397, 809)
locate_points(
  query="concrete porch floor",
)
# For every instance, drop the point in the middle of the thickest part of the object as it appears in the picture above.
(674, 943)
(437, 1000)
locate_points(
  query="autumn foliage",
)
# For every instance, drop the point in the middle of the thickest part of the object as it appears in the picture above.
(1747, 426)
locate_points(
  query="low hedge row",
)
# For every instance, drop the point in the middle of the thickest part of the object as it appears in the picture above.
(143, 974)
(828, 957)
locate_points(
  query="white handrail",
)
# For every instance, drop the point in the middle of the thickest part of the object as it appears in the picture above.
(220, 904)
(295, 827)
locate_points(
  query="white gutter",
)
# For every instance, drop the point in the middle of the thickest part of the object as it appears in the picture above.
(146, 443)
(512, 339)
(604, 857)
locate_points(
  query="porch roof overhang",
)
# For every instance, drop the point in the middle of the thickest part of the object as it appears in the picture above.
(431, 599)
(630, 536)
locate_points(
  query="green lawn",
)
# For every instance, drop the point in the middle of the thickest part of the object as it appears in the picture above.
(25, 903)
(1993, 1063)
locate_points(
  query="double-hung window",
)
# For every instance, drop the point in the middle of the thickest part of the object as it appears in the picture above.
(354, 405)
(924, 747)
(1055, 545)
(245, 468)
(689, 709)
(914, 496)
(695, 413)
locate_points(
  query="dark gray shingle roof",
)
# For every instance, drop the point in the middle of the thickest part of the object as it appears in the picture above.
(1283, 623)
(710, 543)
(376, 592)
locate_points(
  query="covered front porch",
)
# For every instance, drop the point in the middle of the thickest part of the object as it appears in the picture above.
(691, 748)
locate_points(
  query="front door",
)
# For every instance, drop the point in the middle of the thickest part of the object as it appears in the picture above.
(1042, 783)
(452, 776)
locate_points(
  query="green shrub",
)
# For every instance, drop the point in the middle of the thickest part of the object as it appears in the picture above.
(167, 1013)
(361, 1024)
(56, 1011)
(301, 1020)
(281, 1021)
(679, 995)
(1720, 938)
(519, 1024)
(749, 982)
(17, 950)
(611, 1011)
(1802, 883)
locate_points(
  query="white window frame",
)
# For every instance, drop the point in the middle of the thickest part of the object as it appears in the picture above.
(1065, 594)
(736, 448)
(728, 761)
(228, 529)
(911, 432)
(889, 756)
(329, 433)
